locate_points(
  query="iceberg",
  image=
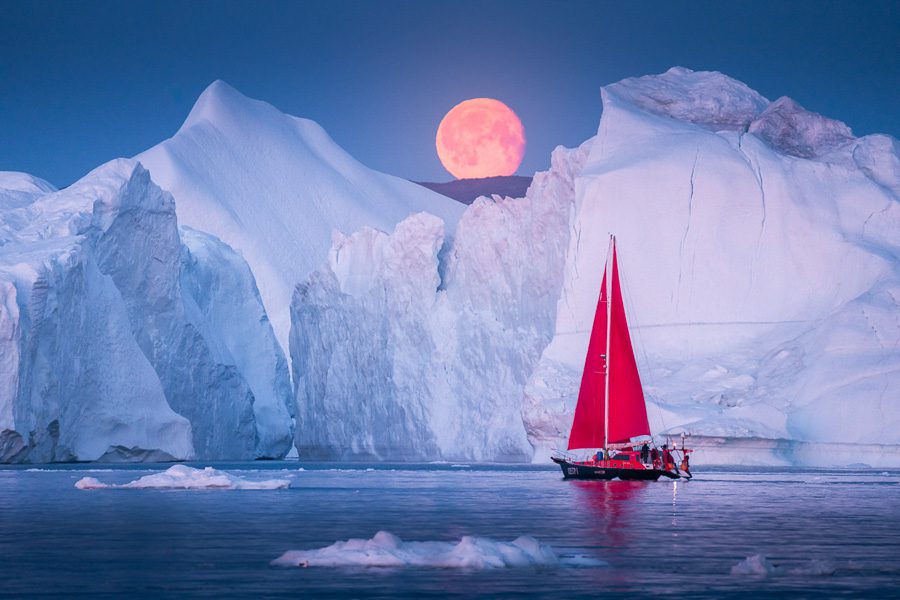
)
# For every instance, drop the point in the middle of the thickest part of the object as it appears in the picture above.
(759, 242)
(274, 187)
(762, 271)
(125, 339)
(182, 477)
(147, 319)
(387, 550)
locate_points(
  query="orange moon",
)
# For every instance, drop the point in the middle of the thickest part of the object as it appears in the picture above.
(481, 137)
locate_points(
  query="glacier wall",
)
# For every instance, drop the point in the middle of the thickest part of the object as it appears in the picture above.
(114, 339)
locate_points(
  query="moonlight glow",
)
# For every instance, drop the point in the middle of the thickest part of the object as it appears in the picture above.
(481, 137)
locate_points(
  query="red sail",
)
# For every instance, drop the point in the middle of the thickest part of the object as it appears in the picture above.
(627, 409)
(587, 427)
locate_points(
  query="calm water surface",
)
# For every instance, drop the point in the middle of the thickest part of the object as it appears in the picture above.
(660, 539)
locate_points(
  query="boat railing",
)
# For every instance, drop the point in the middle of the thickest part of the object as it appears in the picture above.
(564, 454)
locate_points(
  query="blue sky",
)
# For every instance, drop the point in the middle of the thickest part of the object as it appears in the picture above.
(84, 82)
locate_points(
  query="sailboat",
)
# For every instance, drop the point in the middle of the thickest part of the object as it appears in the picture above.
(610, 435)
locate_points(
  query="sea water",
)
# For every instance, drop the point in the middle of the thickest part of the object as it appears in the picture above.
(808, 532)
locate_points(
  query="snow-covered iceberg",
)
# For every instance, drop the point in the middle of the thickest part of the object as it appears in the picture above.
(274, 187)
(182, 477)
(122, 339)
(762, 270)
(387, 550)
(761, 262)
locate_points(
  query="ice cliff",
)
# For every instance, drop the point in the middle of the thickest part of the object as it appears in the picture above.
(123, 338)
(401, 350)
(274, 187)
(761, 259)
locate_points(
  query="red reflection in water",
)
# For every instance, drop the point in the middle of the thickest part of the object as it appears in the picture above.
(613, 505)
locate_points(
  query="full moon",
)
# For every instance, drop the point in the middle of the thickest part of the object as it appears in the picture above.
(481, 137)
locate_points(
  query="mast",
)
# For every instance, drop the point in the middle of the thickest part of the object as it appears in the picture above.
(609, 255)
(621, 413)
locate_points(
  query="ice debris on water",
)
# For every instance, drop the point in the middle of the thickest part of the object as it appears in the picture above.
(385, 549)
(757, 565)
(181, 477)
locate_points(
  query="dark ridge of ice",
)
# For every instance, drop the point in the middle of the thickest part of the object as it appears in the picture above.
(467, 190)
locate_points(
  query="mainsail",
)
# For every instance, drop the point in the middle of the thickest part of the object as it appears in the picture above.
(609, 370)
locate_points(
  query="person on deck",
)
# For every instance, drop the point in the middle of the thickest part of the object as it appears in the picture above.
(668, 463)
(685, 465)
(645, 454)
(654, 456)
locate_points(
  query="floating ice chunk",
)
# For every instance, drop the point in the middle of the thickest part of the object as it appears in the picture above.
(387, 550)
(759, 566)
(181, 477)
(756, 564)
(90, 483)
(815, 567)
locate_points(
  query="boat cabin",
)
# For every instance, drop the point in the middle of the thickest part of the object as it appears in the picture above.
(620, 460)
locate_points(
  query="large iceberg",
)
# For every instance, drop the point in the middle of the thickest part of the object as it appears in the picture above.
(274, 187)
(125, 339)
(761, 269)
(758, 244)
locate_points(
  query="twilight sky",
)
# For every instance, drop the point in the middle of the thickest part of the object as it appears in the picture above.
(84, 82)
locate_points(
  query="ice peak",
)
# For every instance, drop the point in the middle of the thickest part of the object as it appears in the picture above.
(791, 129)
(706, 98)
(221, 102)
(17, 181)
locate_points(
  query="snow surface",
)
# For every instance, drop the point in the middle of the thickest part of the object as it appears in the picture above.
(387, 550)
(120, 342)
(274, 187)
(761, 262)
(181, 477)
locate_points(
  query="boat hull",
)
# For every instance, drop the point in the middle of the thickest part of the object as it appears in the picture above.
(573, 470)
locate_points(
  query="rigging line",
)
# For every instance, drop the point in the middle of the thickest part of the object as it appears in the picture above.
(647, 366)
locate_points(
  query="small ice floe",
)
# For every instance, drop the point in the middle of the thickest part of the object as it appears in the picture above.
(814, 567)
(387, 550)
(758, 565)
(460, 466)
(181, 477)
